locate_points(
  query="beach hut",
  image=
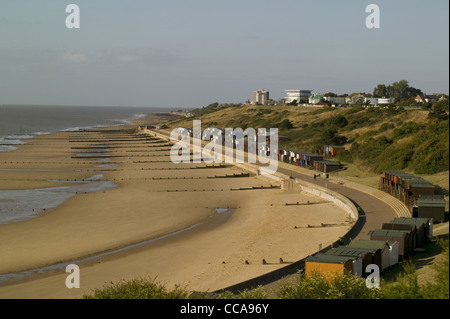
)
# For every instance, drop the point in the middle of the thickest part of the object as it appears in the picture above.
(384, 254)
(280, 154)
(424, 228)
(302, 158)
(412, 229)
(327, 166)
(378, 249)
(292, 157)
(403, 237)
(297, 157)
(332, 150)
(311, 158)
(430, 206)
(393, 253)
(391, 182)
(285, 156)
(406, 187)
(417, 186)
(329, 265)
(363, 258)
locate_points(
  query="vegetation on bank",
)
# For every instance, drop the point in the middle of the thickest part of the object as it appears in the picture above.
(406, 286)
(376, 139)
(418, 146)
(138, 289)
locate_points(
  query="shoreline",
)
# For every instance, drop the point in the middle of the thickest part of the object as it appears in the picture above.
(261, 225)
(15, 137)
(209, 223)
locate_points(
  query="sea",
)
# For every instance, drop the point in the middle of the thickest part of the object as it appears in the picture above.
(19, 123)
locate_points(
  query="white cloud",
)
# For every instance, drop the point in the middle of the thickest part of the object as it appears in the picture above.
(75, 57)
(119, 56)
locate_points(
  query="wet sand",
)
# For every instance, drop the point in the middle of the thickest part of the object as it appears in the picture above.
(153, 198)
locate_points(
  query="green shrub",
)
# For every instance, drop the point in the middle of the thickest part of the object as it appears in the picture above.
(386, 126)
(256, 293)
(407, 129)
(285, 125)
(354, 110)
(345, 156)
(137, 289)
(437, 162)
(407, 285)
(318, 286)
(324, 110)
(339, 121)
(301, 287)
(264, 111)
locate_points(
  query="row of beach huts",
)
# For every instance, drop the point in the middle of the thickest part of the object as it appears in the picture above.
(418, 194)
(397, 239)
(386, 247)
(318, 161)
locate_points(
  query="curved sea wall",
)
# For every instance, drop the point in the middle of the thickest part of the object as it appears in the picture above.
(397, 205)
(331, 196)
(287, 184)
(293, 268)
(310, 188)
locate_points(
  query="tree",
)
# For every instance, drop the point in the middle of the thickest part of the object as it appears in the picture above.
(398, 90)
(329, 136)
(408, 102)
(213, 105)
(439, 111)
(380, 91)
(285, 125)
(427, 106)
(357, 100)
(339, 121)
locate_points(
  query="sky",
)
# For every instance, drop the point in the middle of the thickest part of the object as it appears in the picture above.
(190, 53)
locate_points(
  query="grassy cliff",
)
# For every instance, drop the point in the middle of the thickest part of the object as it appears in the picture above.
(375, 138)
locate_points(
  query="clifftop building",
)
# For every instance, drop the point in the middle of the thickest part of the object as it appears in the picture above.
(260, 97)
(297, 95)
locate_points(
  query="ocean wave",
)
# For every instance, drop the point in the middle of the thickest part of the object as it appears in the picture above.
(15, 139)
(8, 143)
(81, 128)
(36, 121)
(129, 121)
(6, 148)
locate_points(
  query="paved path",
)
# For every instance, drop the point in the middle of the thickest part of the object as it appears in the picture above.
(377, 207)
(375, 211)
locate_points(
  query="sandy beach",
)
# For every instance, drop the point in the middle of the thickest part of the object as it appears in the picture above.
(151, 198)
